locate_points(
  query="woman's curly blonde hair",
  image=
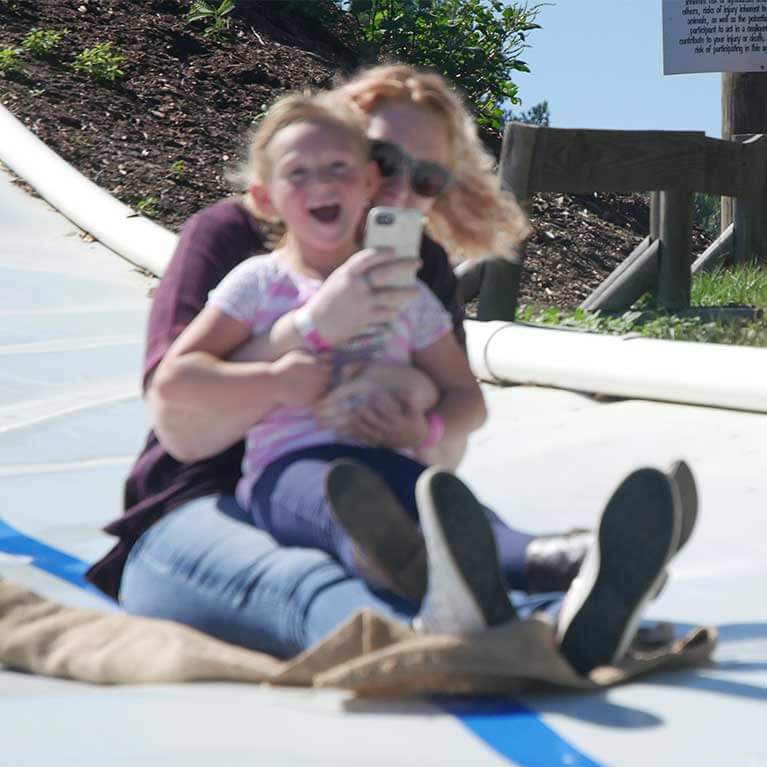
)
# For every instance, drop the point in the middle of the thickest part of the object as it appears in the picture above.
(474, 217)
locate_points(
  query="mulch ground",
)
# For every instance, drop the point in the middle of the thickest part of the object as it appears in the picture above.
(166, 136)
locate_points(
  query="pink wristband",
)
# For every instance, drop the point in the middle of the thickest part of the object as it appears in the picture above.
(436, 430)
(306, 328)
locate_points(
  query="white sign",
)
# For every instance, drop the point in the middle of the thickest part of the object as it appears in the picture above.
(714, 36)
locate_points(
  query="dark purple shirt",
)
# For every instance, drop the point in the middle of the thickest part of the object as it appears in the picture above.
(210, 245)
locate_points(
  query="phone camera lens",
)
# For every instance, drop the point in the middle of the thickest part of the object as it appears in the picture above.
(384, 219)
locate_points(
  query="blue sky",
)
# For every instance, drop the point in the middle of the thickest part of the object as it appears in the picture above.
(599, 63)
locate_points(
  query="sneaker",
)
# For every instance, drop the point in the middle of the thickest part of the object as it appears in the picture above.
(466, 591)
(638, 533)
(387, 544)
(553, 560)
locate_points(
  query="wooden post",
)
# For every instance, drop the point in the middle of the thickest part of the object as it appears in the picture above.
(499, 293)
(501, 276)
(674, 264)
(716, 252)
(743, 226)
(749, 211)
(654, 215)
(638, 274)
(744, 110)
(759, 200)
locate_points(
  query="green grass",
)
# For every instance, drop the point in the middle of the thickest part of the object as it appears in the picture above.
(741, 286)
(745, 285)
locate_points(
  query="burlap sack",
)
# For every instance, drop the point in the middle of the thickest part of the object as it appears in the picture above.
(369, 654)
(509, 659)
(47, 638)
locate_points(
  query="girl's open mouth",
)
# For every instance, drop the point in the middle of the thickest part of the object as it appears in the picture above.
(327, 214)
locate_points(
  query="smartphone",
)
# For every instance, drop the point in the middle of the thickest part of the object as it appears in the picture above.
(398, 228)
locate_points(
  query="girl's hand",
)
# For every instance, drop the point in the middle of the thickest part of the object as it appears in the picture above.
(365, 290)
(303, 378)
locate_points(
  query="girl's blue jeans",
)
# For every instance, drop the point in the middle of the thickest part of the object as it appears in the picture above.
(206, 565)
(289, 503)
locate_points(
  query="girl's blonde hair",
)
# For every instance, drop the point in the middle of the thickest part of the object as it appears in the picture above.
(320, 108)
(474, 217)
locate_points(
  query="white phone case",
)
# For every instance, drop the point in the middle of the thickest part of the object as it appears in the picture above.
(397, 228)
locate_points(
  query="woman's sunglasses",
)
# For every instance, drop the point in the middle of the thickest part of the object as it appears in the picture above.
(427, 179)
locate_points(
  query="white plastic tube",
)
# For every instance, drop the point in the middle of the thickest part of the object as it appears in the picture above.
(622, 366)
(133, 237)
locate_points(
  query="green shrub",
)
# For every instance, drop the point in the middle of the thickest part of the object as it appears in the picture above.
(43, 42)
(99, 62)
(216, 18)
(474, 43)
(9, 60)
(708, 214)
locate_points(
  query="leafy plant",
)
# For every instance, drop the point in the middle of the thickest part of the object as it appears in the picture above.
(475, 43)
(100, 62)
(9, 61)
(147, 206)
(177, 169)
(43, 42)
(216, 18)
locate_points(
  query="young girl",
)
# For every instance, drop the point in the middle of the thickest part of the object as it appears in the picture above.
(313, 173)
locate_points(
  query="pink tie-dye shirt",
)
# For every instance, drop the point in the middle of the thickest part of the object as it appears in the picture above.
(260, 290)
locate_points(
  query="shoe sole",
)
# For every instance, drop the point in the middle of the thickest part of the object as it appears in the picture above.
(459, 539)
(638, 533)
(683, 478)
(684, 485)
(379, 527)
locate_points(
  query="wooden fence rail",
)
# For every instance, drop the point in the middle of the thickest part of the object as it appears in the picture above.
(672, 165)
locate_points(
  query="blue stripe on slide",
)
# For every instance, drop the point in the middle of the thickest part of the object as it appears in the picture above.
(509, 728)
(46, 558)
(515, 732)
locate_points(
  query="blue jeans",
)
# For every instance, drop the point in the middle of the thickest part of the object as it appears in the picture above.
(206, 565)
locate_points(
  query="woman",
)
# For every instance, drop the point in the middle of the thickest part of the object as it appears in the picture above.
(204, 564)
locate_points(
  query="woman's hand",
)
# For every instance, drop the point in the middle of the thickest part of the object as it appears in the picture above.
(385, 420)
(381, 404)
(303, 378)
(368, 289)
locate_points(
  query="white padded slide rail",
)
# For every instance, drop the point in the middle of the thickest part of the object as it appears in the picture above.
(112, 223)
(716, 375)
